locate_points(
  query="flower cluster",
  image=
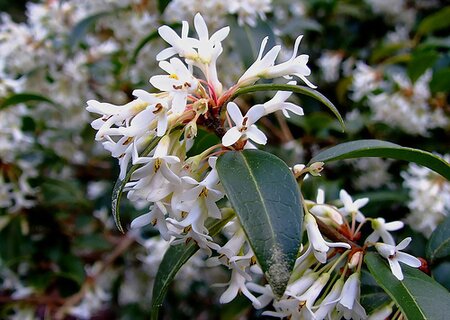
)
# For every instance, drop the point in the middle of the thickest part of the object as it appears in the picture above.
(184, 190)
(152, 135)
(429, 195)
(326, 278)
(398, 102)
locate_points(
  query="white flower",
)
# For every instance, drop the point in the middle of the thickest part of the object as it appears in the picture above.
(253, 73)
(266, 68)
(329, 302)
(319, 246)
(278, 102)
(182, 46)
(348, 303)
(352, 207)
(381, 229)
(158, 109)
(266, 294)
(236, 285)
(244, 126)
(207, 190)
(157, 217)
(155, 180)
(381, 313)
(113, 115)
(179, 83)
(299, 287)
(209, 48)
(327, 213)
(394, 256)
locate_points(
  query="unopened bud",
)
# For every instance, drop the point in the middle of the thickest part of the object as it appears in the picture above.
(316, 168)
(190, 130)
(298, 170)
(354, 260)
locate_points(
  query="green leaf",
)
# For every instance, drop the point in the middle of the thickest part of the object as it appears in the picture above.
(383, 149)
(22, 98)
(293, 88)
(266, 197)
(162, 5)
(437, 21)
(175, 257)
(203, 141)
(440, 81)
(385, 51)
(147, 39)
(418, 296)
(420, 62)
(81, 28)
(120, 184)
(249, 39)
(439, 244)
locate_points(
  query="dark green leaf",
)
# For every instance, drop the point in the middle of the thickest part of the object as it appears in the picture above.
(175, 257)
(372, 295)
(162, 5)
(120, 184)
(81, 28)
(440, 81)
(418, 296)
(293, 88)
(420, 62)
(203, 141)
(151, 36)
(91, 242)
(386, 51)
(383, 149)
(266, 197)
(249, 39)
(22, 98)
(439, 244)
(434, 22)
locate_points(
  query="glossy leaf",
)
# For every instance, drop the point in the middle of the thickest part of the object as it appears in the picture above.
(175, 257)
(439, 244)
(418, 295)
(120, 184)
(266, 198)
(23, 98)
(293, 88)
(383, 149)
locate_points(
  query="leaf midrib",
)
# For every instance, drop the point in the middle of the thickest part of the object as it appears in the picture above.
(263, 201)
(433, 255)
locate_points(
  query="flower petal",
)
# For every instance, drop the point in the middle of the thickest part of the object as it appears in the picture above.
(404, 243)
(235, 113)
(396, 269)
(408, 259)
(231, 136)
(256, 135)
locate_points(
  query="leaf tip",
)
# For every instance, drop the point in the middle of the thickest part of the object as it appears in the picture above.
(278, 273)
